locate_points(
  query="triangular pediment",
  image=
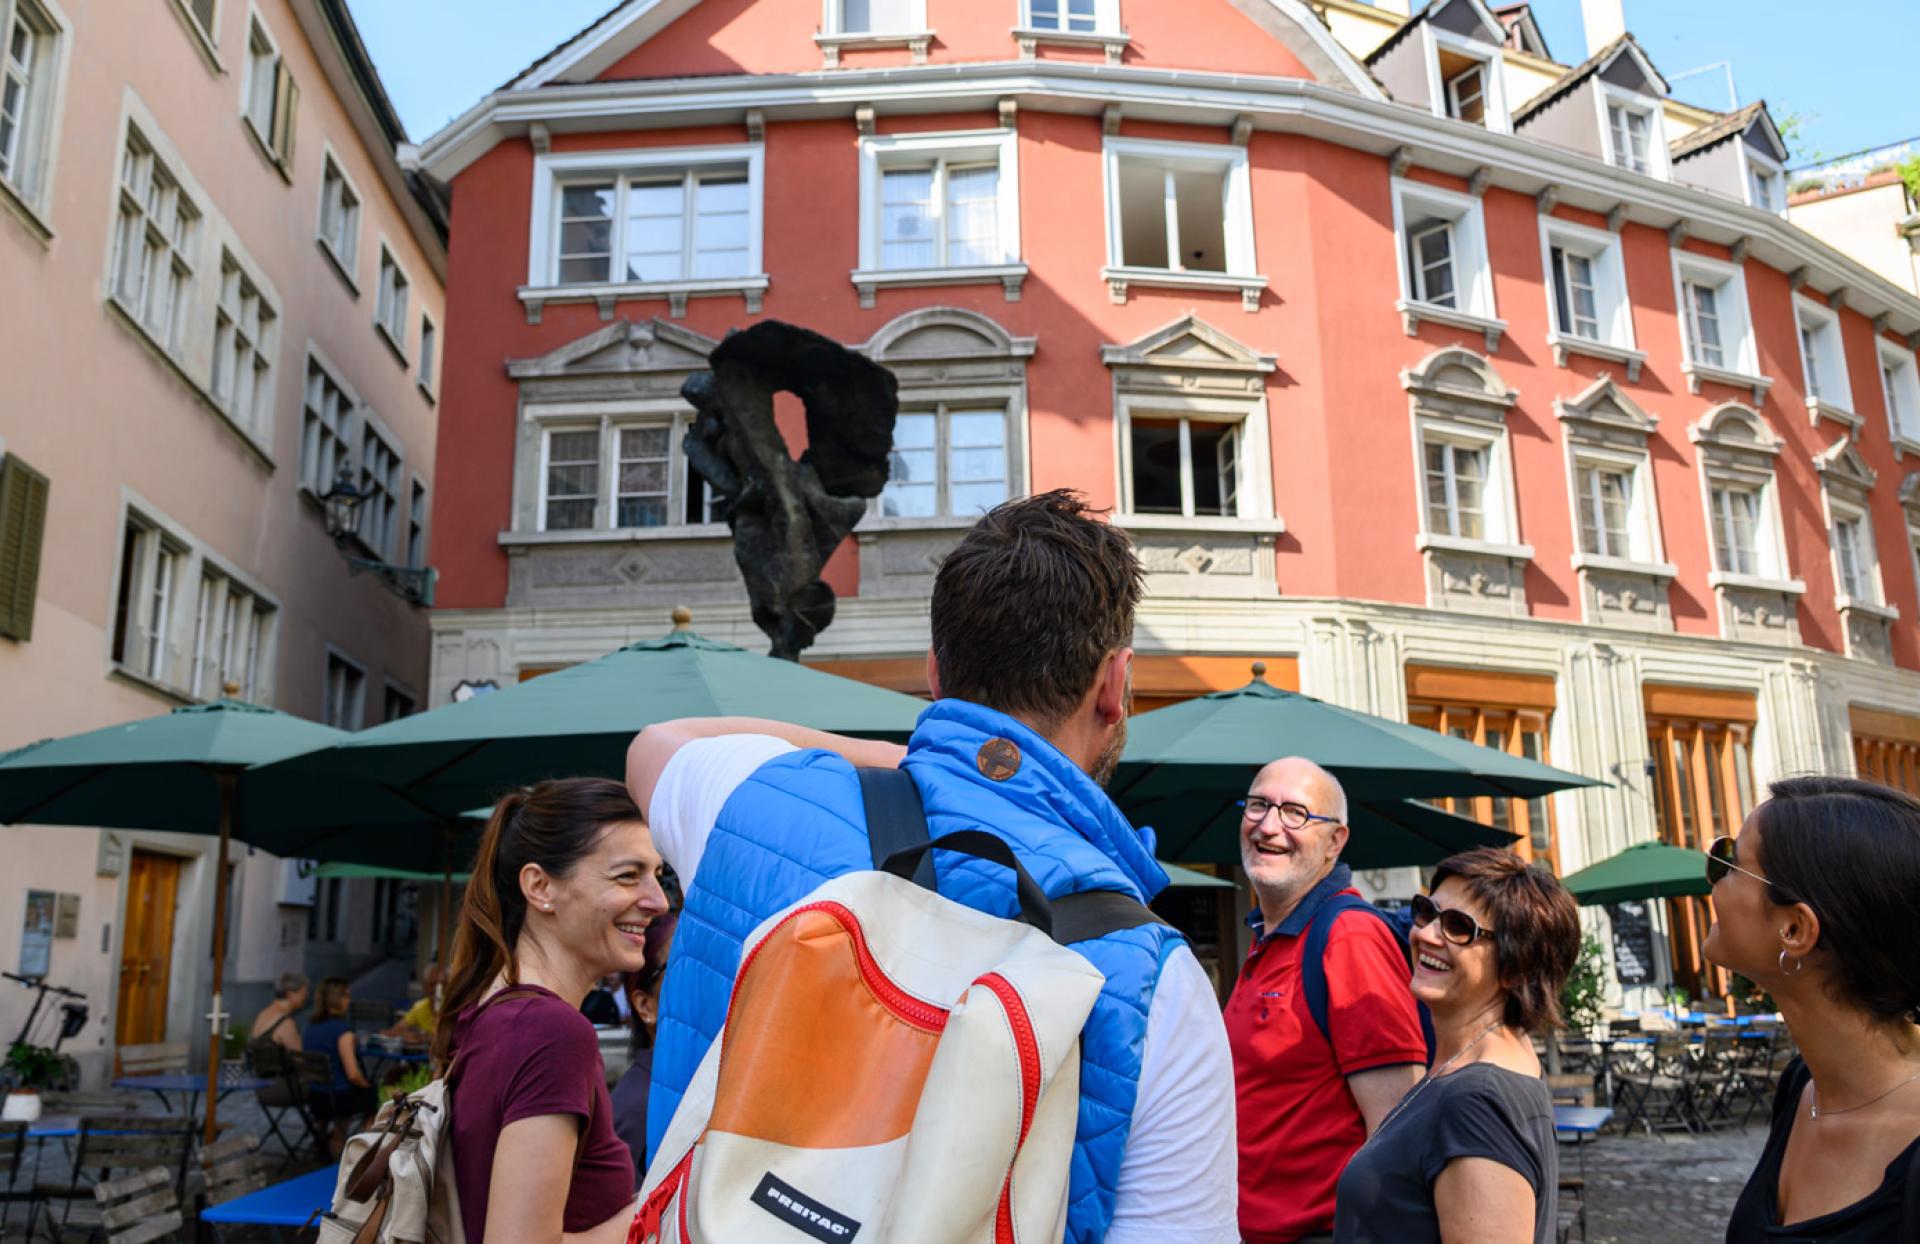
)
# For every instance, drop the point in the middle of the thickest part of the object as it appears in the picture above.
(623, 347)
(1841, 463)
(1631, 68)
(1603, 402)
(1468, 18)
(1764, 136)
(1188, 343)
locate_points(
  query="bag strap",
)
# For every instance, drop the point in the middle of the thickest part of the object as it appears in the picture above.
(1313, 967)
(1089, 914)
(896, 819)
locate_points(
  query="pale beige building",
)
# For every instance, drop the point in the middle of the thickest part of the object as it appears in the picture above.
(219, 286)
(1873, 217)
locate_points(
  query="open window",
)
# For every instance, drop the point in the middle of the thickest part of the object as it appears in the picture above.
(1444, 273)
(30, 62)
(1463, 43)
(1823, 363)
(270, 100)
(1180, 214)
(1716, 329)
(1900, 389)
(873, 23)
(1629, 95)
(1846, 487)
(939, 209)
(1587, 289)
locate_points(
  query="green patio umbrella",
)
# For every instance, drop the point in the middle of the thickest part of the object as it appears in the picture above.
(1214, 743)
(579, 721)
(327, 872)
(1645, 870)
(1193, 879)
(1397, 833)
(187, 771)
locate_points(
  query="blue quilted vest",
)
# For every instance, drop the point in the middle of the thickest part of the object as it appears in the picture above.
(799, 821)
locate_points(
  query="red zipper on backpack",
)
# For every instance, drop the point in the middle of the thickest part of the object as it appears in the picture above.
(905, 1006)
(646, 1223)
(1028, 1048)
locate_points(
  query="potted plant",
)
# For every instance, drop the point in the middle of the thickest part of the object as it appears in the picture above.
(31, 1068)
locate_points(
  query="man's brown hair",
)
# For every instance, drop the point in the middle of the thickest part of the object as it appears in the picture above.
(1536, 930)
(1030, 602)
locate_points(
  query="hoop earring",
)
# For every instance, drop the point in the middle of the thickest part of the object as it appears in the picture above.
(1799, 965)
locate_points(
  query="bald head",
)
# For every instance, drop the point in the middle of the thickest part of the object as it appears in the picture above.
(1295, 779)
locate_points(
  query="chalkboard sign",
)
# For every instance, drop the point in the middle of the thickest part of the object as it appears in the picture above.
(1633, 962)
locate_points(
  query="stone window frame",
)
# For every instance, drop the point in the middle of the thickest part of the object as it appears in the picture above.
(1603, 427)
(1740, 368)
(1242, 273)
(1610, 96)
(879, 151)
(1901, 361)
(988, 370)
(1602, 247)
(1736, 449)
(1846, 487)
(1910, 511)
(30, 193)
(1107, 33)
(833, 37)
(607, 419)
(1227, 386)
(1475, 307)
(1836, 399)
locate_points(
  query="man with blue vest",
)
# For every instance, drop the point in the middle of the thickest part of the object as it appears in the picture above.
(1030, 667)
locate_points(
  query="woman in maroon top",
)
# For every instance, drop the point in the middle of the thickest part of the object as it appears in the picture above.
(564, 885)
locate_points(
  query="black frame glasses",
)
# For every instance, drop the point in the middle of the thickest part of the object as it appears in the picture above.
(1292, 815)
(1456, 926)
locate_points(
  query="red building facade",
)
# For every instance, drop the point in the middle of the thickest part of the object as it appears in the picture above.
(1454, 383)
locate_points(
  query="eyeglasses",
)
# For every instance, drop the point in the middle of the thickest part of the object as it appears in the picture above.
(1292, 815)
(1720, 856)
(1455, 925)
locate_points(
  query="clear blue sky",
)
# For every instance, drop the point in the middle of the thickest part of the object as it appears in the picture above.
(1845, 66)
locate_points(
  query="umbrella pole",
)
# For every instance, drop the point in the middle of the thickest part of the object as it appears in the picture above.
(216, 1017)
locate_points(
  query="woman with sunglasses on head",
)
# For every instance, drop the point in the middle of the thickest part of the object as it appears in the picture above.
(1818, 902)
(565, 883)
(1468, 1154)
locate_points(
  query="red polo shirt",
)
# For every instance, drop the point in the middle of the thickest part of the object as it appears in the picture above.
(1299, 1123)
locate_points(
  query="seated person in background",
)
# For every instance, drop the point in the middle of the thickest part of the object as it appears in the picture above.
(275, 1020)
(642, 990)
(351, 1096)
(417, 1025)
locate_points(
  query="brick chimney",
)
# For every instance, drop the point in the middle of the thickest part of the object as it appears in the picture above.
(1604, 20)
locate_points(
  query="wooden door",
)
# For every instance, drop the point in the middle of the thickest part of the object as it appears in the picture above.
(146, 952)
(1703, 789)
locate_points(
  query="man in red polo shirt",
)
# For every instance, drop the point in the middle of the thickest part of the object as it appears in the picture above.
(1307, 1101)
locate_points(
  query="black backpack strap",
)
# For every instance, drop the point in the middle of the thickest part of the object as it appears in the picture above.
(1095, 913)
(1313, 968)
(895, 819)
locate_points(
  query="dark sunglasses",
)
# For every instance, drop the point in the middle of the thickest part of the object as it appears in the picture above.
(1720, 857)
(1455, 925)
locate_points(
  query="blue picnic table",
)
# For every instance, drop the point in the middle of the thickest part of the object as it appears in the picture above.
(190, 1084)
(1580, 1123)
(292, 1203)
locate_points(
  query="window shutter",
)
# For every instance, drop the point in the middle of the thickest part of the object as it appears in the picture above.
(286, 106)
(23, 521)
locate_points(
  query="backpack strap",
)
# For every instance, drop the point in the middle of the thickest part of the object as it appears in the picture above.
(896, 819)
(1089, 914)
(1313, 966)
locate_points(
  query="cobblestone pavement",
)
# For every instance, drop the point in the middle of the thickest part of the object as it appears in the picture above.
(1676, 1190)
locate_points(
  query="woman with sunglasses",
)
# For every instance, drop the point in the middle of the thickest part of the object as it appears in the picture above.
(1468, 1154)
(1816, 903)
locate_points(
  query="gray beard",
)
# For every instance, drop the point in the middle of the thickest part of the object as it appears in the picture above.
(1109, 761)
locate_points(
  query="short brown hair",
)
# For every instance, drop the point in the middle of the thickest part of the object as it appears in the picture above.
(1536, 930)
(330, 1000)
(1034, 597)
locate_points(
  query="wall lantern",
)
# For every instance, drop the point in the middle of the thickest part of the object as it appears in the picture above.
(342, 502)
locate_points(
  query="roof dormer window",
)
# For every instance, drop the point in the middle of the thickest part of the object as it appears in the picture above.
(1467, 95)
(1766, 183)
(1627, 131)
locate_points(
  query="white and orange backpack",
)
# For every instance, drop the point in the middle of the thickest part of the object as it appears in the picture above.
(894, 1066)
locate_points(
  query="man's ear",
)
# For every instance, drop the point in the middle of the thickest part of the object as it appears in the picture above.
(1340, 835)
(933, 675)
(1112, 686)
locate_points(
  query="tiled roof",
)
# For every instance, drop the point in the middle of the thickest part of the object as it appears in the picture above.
(563, 45)
(1578, 74)
(1728, 126)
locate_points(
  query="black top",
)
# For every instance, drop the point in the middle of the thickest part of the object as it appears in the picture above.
(1480, 1111)
(1888, 1215)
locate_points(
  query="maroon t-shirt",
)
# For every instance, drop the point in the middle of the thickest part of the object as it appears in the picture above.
(521, 1058)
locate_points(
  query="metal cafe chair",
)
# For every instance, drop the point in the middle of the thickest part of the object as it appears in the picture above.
(13, 1145)
(283, 1095)
(119, 1143)
(1666, 1085)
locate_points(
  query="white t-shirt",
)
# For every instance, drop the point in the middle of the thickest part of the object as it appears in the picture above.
(1178, 1175)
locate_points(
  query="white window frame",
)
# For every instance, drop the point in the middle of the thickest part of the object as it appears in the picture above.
(606, 421)
(1739, 366)
(391, 301)
(429, 360)
(1106, 20)
(382, 500)
(1642, 535)
(314, 482)
(1736, 463)
(419, 517)
(1763, 546)
(206, 36)
(1822, 325)
(27, 184)
(1493, 80)
(878, 153)
(262, 128)
(1242, 266)
(1603, 251)
(941, 411)
(229, 610)
(253, 416)
(1903, 396)
(1843, 512)
(1498, 505)
(1752, 163)
(182, 251)
(344, 264)
(833, 22)
(1472, 270)
(552, 170)
(355, 716)
(1253, 493)
(1607, 97)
